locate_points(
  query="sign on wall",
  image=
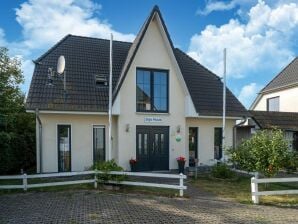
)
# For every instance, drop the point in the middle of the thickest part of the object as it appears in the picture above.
(152, 119)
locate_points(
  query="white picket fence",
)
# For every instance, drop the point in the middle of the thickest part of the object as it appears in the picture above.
(94, 180)
(255, 193)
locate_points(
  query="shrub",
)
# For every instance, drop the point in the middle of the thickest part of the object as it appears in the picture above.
(222, 170)
(106, 167)
(292, 165)
(265, 152)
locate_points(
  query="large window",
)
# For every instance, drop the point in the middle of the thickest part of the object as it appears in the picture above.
(152, 90)
(64, 148)
(273, 104)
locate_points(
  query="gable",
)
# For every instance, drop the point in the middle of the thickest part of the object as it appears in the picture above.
(152, 53)
(156, 19)
(87, 57)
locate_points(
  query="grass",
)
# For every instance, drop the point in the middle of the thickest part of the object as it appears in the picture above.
(238, 189)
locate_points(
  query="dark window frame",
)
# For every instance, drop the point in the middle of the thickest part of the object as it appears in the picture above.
(104, 140)
(58, 146)
(152, 70)
(271, 98)
(220, 152)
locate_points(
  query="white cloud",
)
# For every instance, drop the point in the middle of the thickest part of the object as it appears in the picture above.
(248, 93)
(262, 44)
(45, 22)
(212, 6)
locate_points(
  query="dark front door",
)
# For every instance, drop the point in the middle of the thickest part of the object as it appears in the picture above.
(152, 148)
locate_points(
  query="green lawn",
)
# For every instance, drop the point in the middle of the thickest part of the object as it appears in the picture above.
(238, 189)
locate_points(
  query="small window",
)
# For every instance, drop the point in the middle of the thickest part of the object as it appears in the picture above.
(273, 104)
(101, 80)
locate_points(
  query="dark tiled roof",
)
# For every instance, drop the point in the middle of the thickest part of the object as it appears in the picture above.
(288, 76)
(206, 89)
(282, 120)
(87, 57)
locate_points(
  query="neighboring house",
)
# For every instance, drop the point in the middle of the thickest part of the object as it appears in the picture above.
(281, 93)
(165, 104)
(276, 106)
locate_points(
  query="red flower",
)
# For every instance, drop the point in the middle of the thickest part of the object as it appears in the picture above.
(181, 159)
(132, 161)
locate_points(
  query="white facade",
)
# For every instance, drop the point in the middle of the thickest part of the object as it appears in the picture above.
(287, 100)
(154, 52)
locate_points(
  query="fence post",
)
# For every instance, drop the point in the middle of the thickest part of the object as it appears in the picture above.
(25, 183)
(95, 179)
(181, 185)
(254, 189)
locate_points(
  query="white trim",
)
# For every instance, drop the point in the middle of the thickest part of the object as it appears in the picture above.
(189, 110)
(256, 101)
(68, 112)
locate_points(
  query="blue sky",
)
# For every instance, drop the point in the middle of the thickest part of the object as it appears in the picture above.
(260, 36)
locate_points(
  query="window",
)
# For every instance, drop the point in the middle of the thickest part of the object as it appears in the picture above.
(64, 148)
(101, 80)
(98, 143)
(273, 104)
(152, 90)
(217, 143)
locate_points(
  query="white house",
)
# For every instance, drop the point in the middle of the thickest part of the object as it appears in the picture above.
(276, 106)
(165, 104)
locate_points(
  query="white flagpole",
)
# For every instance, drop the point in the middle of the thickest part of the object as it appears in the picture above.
(224, 106)
(110, 99)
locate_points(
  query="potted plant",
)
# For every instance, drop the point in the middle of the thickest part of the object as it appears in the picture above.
(133, 165)
(181, 163)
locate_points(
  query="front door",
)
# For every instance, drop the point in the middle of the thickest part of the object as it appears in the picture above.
(152, 148)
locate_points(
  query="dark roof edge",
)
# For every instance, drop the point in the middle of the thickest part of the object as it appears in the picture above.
(264, 89)
(52, 48)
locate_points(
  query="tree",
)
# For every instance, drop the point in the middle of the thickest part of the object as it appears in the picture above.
(265, 152)
(17, 128)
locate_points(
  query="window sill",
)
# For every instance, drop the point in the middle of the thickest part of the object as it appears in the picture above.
(152, 113)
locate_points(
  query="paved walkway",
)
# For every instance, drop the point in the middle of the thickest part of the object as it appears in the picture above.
(91, 206)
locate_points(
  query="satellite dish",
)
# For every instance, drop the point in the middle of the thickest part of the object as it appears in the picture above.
(61, 65)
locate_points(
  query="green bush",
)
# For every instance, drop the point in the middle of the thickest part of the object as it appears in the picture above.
(265, 152)
(222, 171)
(292, 165)
(106, 167)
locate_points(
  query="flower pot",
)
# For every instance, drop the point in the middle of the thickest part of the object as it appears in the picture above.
(181, 165)
(133, 167)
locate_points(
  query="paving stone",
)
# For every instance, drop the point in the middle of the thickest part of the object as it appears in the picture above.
(91, 206)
